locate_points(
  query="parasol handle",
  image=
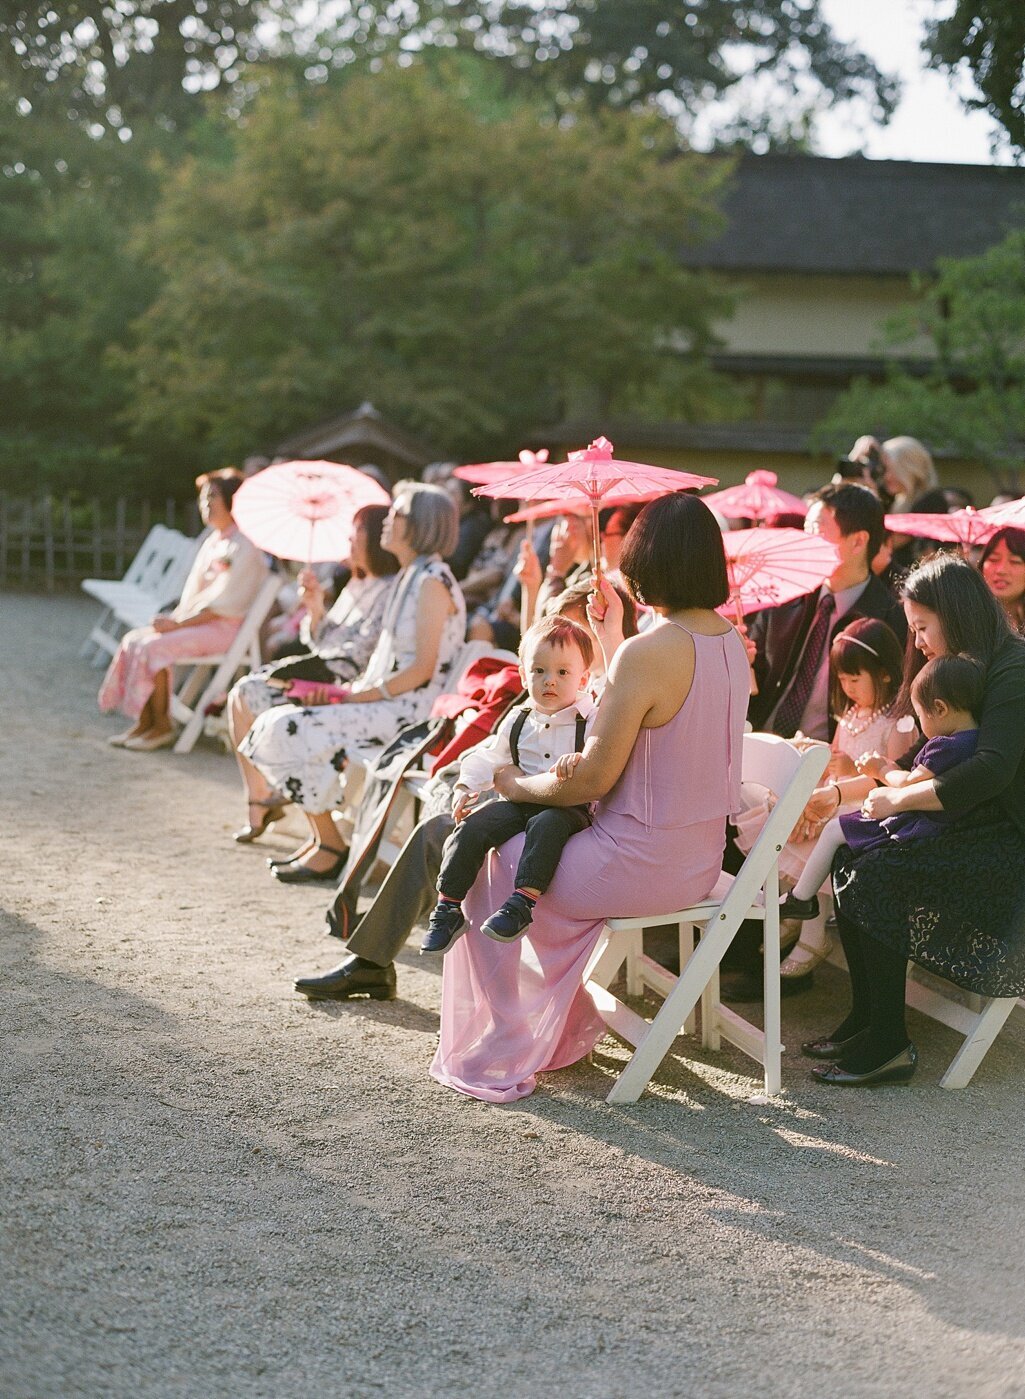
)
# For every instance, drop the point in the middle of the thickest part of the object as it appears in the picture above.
(596, 546)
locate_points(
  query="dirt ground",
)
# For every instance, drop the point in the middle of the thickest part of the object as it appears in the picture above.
(212, 1187)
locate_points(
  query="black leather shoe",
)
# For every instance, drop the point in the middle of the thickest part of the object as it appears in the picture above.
(899, 1069)
(802, 909)
(302, 874)
(824, 1049)
(355, 977)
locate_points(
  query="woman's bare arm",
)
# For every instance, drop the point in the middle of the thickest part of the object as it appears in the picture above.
(433, 608)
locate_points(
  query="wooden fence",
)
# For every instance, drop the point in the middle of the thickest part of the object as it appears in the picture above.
(54, 542)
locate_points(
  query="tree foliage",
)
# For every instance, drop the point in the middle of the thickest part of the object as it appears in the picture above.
(116, 65)
(416, 239)
(970, 321)
(987, 37)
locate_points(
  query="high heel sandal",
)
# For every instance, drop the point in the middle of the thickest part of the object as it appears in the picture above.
(273, 810)
(302, 874)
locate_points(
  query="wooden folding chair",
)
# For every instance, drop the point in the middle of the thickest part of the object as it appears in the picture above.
(753, 892)
(211, 676)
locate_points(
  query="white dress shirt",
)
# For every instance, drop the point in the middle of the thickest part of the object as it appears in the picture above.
(543, 739)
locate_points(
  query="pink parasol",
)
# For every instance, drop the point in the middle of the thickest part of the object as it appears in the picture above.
(589, 477)
(768, 567)
(303, 510)
(486, 473)
(967, 527)
(548, 509)
(757, 499)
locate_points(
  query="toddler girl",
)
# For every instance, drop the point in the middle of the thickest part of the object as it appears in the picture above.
(947, 696)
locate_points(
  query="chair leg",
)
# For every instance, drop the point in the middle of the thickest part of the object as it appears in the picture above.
(973, 1051)
(773, 1059)
(710, 1036)
(686, 935)
(634, 948)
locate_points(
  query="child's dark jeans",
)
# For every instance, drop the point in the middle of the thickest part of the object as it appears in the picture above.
(547, 830)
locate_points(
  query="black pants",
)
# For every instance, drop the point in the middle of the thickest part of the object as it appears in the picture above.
(547, 829)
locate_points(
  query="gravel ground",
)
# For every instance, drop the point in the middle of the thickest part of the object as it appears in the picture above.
(213, 1188)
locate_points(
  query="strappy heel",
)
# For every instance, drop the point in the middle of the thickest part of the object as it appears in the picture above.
(302, 874)
(274, 810)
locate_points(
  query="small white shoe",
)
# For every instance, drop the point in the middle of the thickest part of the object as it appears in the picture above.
(121, 740)
(148, 743)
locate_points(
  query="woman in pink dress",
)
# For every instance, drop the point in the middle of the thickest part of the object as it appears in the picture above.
(222, 585)
(663, 767)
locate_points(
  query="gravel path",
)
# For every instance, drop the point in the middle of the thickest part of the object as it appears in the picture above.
(211, 1187)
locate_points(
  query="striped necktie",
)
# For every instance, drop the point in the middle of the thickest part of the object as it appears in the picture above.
(794, 702)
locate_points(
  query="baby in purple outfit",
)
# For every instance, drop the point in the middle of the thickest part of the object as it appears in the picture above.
(947, 696)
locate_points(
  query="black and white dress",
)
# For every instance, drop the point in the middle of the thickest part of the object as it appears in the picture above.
(301, 752)
(344, 640)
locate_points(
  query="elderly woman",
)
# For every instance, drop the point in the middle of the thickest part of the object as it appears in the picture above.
(1003, 567)
(955, 903)
(341, 638)
(663, 767)
(297, 754)
(222, 585)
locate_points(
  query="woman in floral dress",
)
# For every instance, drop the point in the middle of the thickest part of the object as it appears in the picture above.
(298, 754)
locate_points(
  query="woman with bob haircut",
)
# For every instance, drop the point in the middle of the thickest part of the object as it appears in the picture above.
(222, 585)
(662, 768)
(298, 754)
(1003, 566)
(954, 904)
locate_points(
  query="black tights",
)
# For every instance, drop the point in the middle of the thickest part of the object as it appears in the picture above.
(876, 1025)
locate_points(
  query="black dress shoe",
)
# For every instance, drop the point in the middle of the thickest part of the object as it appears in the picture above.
(802, 909)
(899, 1069)
(302, 874)
(355, 977)
(825, 1049)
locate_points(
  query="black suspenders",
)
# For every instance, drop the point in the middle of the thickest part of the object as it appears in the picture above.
(517, 729)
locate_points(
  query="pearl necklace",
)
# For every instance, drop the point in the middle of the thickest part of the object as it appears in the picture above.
(856, 729)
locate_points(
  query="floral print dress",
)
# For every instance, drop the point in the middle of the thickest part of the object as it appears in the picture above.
(301, 751)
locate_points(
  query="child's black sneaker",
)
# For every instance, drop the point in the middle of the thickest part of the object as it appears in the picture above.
(792, 907)
(511, 921)
(444, 926)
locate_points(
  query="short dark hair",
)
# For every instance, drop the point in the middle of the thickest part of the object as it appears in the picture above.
(225, 482)
(557, 631)
(855, 508)
(866, 644)
(1011, 536)
(673, 555)
(959, 681)
(372, 518)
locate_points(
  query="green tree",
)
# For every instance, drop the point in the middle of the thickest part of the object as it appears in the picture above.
(686, 53)
(988, 38)
(969, 323)
(417, 238)
(69, 288)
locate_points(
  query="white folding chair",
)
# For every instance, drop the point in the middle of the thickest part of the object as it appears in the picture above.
(154, 579)
(211, 676)
(753, 892)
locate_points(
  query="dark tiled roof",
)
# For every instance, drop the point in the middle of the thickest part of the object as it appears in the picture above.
(365, 428)
(809, 214)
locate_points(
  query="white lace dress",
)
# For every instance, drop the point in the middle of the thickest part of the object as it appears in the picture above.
(301, 751)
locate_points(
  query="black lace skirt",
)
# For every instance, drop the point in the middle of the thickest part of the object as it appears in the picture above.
(954, 903)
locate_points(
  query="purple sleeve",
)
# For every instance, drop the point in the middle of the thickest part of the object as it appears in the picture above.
(941, 754)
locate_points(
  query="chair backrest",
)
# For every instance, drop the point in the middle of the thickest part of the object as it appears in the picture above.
(774, 763)
(152, 551)
(172, 569)
(476, 651)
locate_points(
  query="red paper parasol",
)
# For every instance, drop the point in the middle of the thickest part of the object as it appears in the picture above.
(757, 499)
(967, 527)
(303, 510)
(590, 476)
(486, 473)
(768, 567)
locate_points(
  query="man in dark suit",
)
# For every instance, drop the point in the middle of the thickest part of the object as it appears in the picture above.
(790, 644)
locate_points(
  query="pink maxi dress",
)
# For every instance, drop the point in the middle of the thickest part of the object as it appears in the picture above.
(510, 1011)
